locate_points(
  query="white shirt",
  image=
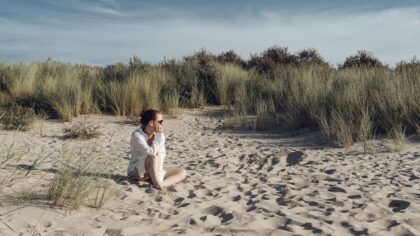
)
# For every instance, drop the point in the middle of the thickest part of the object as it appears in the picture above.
(140, 150)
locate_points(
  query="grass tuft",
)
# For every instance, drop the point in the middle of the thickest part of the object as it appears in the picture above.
(82, 130)
(15, 117)
(77, 182)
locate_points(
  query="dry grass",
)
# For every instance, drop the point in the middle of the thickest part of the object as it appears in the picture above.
(78, 182)
(170, 103)
(399, 137)
(351, 104)
(10, 154)
(348, 106)
(227, 76)
(15, 117)
(82, 130)
(7, 155)
(80, 178)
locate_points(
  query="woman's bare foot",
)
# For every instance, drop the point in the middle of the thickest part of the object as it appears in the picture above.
(145, 177)
(157, 186)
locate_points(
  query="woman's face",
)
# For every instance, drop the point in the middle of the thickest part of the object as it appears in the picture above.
(158, 121)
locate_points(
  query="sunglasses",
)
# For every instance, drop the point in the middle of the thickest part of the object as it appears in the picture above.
(160, 121)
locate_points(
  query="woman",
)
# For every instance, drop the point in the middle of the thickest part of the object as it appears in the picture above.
(148, 153)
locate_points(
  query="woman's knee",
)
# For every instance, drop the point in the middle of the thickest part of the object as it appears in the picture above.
(153, 158)
(183, 173)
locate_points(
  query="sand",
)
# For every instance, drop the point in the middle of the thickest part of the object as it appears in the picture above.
(239, 183)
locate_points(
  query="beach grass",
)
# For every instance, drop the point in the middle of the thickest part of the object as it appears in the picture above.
(82, 130)
(358, 100)
(78, 181)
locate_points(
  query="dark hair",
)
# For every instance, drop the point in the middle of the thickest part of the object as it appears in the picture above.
(147, 116)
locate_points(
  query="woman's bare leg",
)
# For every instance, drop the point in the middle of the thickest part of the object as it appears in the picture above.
(152, 167)
(173, 176)
(135, 177)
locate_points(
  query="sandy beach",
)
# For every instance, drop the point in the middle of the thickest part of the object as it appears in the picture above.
(239, 183)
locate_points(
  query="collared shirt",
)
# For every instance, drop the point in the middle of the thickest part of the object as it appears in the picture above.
(140, 150)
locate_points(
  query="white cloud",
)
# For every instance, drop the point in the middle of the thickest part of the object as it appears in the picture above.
(390, 34)
(102, 10)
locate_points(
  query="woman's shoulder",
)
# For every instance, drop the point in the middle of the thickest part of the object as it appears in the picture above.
(138, 133)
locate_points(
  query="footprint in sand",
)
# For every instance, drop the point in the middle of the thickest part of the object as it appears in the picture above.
(398, 205)
(224, 217)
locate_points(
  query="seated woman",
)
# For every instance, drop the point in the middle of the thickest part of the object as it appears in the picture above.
(148, 153)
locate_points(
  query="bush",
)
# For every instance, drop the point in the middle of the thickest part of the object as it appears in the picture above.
(411, 67)
(272, 57)
(137, 65)
(82, 130)
(230, 57)
(206, 77)
(15, 117)
(310, 56)
(361, 59)
(117, 71)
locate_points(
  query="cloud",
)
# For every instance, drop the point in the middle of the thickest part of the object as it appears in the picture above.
(106, 11)
(116, 35)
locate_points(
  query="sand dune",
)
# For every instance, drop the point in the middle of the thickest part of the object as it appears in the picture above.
(239, 183)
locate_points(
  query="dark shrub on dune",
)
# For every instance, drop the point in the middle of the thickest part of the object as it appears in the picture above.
(117, 71)
(185, 80)
(310, 57)
(39, 103)
(362, 59)
(205, 73)
(267, 61)
(409, 66)
(15, 117)
(203, 56)
(230, 57)
(135, 64)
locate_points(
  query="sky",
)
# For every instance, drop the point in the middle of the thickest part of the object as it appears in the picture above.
(103, 32)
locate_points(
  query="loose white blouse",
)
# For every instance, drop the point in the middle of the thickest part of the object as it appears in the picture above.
(140, 150)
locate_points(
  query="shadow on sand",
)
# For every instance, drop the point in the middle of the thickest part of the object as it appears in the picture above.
(117, 178)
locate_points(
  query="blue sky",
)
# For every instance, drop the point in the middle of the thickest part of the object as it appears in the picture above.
(107, 31)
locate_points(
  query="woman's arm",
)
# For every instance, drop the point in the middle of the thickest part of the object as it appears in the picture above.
(162, 152)
(141, 143)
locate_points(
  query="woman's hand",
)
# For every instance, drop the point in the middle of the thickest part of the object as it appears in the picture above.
(159, 128)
